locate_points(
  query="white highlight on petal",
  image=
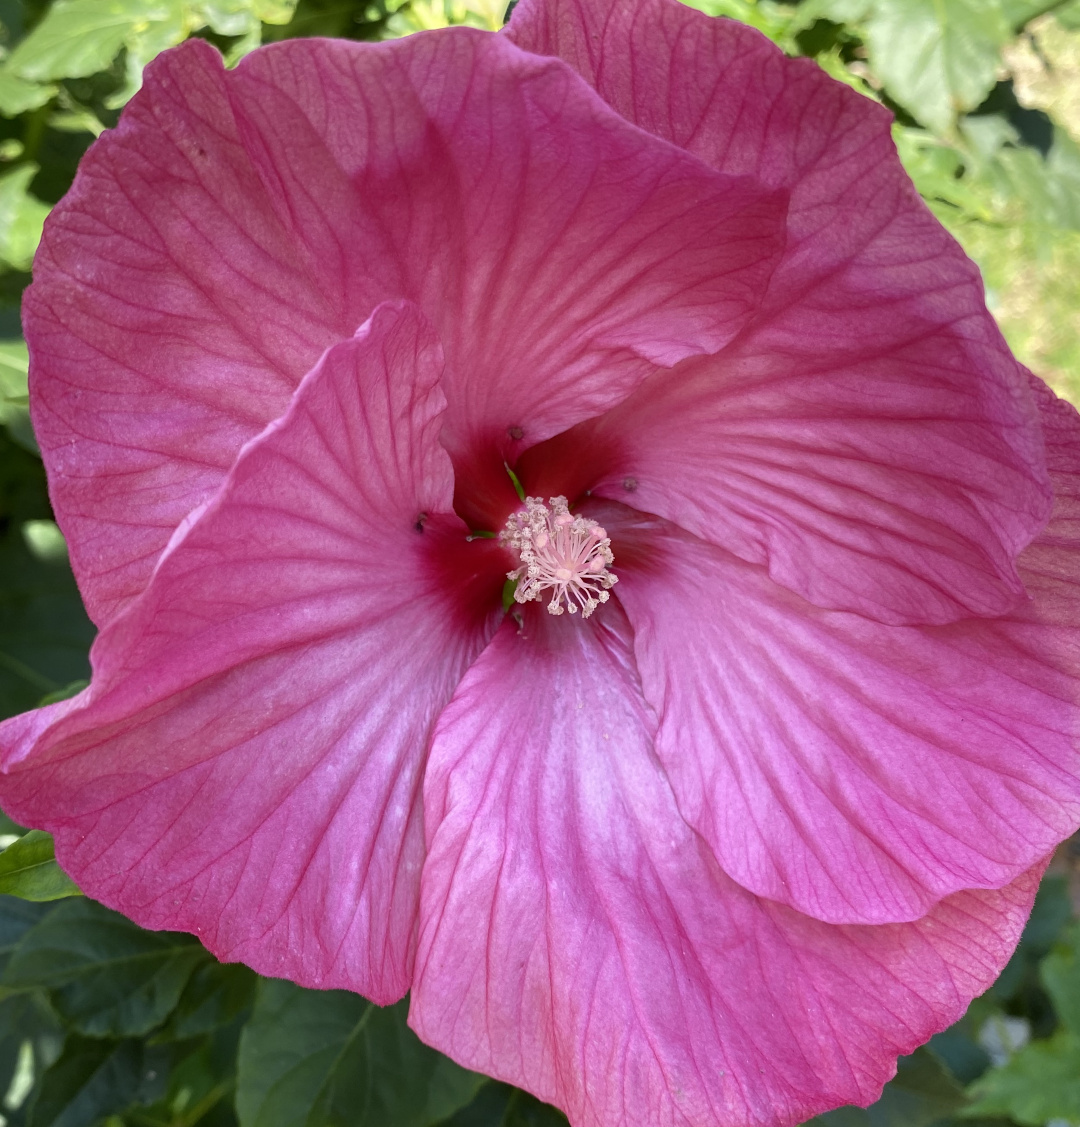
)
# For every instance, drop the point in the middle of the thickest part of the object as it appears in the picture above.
(561, 553)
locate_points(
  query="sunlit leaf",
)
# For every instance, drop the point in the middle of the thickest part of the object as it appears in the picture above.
(937, 58)
(21, 217)
(81, 37)
(17, 95)
(28, 869)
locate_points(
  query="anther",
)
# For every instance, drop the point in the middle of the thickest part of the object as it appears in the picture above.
(561, 553)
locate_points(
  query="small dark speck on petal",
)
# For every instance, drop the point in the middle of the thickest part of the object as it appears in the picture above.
(629, 484)
(516, 433)
(421, 520)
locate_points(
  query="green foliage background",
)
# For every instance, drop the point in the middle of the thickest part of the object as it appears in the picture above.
(104, 1023)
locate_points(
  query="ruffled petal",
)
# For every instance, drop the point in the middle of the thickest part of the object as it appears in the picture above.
(869, 437)
(856, 771)
(239, 222)
(577, 937)
(246, 764)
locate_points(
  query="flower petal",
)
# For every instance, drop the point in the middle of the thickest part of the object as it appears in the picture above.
(856, 771)
(869, 437)
(239, 222)
(246, 764)
(577, 938)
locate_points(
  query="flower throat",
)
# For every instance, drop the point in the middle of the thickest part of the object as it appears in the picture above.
(561, 553)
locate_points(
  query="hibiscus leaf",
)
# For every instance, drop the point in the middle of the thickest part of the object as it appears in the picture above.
(93, 1078)
(321, 1058)
(500, 1105)
(1039, 1083)
(937, 58)
(44, 632)
(215, 995)
(28, 869)
(30, 1038)
(106, 976)
(17, 917)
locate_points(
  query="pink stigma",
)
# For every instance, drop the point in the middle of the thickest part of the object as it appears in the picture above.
(561, 553)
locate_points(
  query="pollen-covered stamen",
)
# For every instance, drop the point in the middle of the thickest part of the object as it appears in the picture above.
(561, 553)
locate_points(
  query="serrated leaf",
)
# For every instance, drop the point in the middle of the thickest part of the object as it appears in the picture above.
(28, 869)
(326, 1058)
(106, 976)
(937, 58)
(21, 217)
(1039, 1083)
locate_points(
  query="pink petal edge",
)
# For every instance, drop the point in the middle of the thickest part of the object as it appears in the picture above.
(869, 436)
(577, 938)
(194, 273)
(247, 761)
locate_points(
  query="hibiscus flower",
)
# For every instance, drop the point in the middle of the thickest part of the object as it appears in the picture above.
(722, 838)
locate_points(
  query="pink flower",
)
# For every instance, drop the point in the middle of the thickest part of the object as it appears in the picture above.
(776, 809)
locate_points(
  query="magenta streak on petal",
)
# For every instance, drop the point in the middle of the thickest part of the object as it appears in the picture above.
(219, 241)
(578, 939)
(868, 437)
(247, 761)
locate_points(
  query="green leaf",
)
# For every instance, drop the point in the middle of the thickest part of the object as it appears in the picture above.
(1020, 12)
(937, 58)
(14, 396)
(21, 217)
(326, 1058)
(1060, 974)
(28, 869)
(216, 994)
(17, 95)
(17, 917)
(30, 1039)
(1068, 15)
(499, 1105)
(837, 11)
(107, 977)
(78, 38)
(44, 631)
(93, 1078)
(1039, 1083)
